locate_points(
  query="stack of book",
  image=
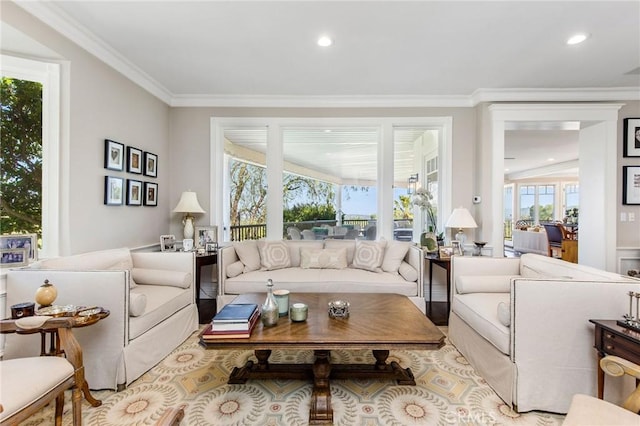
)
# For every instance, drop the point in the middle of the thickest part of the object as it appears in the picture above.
(234, 321)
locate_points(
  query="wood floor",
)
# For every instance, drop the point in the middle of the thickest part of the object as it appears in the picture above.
(439, 314)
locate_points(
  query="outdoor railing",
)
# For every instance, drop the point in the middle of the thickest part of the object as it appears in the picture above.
(256, 232)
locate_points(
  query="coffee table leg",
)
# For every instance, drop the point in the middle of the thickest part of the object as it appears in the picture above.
(240, 375)
(321, 411)
(381, 359)
(263, 359)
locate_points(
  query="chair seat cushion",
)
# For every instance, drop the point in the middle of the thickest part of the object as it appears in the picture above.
(480, 311)
(28, 379)
(587, 410)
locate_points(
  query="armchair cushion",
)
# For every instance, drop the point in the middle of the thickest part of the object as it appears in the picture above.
(483, 284)
(137, 303)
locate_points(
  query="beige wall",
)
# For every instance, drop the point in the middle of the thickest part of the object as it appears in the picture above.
(628, 232)
(100, 103)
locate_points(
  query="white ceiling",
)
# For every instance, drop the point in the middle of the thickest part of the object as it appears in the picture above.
(385, 53)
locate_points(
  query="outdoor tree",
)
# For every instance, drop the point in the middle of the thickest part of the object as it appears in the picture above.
(21, 160)
(402, 207)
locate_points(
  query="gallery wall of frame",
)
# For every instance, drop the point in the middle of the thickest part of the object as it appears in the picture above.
(631, 173)
(129, 191)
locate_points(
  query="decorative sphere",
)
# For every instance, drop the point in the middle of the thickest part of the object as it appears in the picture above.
(46, 294)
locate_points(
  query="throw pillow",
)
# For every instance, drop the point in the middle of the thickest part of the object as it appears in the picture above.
(368, 255)
(296, 246)
(274, 255)
(248, 253)
(235, 269)
(162, 277)
(393, 255)
(504, 314)
(350, 245)
(137, 304)
(408, 272)
(323, 258)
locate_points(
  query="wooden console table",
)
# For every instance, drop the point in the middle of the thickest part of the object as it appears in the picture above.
(209, 258)
(613, 339)
(443, 263)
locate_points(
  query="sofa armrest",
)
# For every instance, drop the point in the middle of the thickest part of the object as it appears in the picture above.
(415, 258)
(226, 256)
(551, 337)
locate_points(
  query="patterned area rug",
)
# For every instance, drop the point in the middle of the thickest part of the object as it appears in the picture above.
(448, 392)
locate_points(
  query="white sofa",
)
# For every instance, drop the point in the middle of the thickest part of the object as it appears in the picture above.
(355, 267)
(523, 324)
(148, 318)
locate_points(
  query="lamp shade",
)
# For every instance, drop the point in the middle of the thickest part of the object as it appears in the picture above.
(461, 218)
(188, 203)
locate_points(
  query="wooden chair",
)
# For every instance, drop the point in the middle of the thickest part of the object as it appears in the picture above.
(28, 384)
(589, 410)
(554, 239)
(171, 417)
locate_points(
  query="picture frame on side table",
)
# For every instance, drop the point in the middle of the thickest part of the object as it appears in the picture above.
(446, 252)
(204, 235)
(113, 191)
(150, 164)
(457, 247)
(14, 257)
(134, 192)
(631, 137)
(211, 247)
(167, 243)
(113, 155)
(28, 242)
(150, 194)
(134, 160)
(631, 185)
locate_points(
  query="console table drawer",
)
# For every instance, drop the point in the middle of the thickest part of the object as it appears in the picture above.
(613, 344)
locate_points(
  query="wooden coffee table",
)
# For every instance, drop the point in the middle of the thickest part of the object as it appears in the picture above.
(379, 322)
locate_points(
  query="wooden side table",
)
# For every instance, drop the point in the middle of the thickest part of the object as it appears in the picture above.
(443, 263)
(209, 258)
(613, 339)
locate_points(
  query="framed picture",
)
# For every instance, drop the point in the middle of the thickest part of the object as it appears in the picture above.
(204, 235)
(446, 252)
(28, 242)
(167, 243)
(113, 190)
(632, 137)
(113, 155)
(14, 257)
(209, 247)
(150, 164)
(457, 247)
(134, 192)
(631, 185)
(150, 194)
(134, 160)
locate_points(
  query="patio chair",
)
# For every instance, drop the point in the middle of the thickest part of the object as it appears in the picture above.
(351, 234)
(308, 234)
(294, 233)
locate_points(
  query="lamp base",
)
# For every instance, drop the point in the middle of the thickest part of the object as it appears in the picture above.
(188, 227)
(461, 237)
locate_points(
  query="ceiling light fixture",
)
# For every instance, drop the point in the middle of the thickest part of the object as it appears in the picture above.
(577, 38)
(325, 41)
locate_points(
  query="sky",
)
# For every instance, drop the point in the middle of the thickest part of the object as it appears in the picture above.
(364, 202)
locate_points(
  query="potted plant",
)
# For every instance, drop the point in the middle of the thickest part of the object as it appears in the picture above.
(422, 198)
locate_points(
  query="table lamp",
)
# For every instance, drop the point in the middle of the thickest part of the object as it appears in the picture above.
(461, 218)
(188, 204)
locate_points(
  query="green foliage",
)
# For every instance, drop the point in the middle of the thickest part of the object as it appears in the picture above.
(309, 212)
(545, 213)
(402, 208)
(21, 159)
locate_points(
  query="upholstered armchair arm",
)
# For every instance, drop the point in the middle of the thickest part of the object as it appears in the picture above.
(616, 366)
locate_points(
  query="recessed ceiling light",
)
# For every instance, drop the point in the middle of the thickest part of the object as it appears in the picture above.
(325, 41)
(577, 38)
(550, 159)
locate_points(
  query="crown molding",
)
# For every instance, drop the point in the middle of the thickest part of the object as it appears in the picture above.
(56, 18)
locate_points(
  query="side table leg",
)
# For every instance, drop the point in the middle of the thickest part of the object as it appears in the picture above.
(600, 376)
(321, 411)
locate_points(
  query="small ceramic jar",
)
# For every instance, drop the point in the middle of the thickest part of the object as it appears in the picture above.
(298, 312)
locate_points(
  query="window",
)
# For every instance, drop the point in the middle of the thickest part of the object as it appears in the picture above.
(46, 76)
(537, 203)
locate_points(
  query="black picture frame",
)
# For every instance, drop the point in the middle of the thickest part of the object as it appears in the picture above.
(631, 147)
(631, 185)
(150, 194)
(150, 164)
(134, 192)
(113, 155)
(134, 160)
(113, 190)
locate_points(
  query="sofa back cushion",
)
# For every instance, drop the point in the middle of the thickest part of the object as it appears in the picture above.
(483, 283)
(248, 253)
(394, 254)
(537, 266)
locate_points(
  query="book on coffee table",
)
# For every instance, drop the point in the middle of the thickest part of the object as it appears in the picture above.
(235, 313)
(236, 326)
(211, 333)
